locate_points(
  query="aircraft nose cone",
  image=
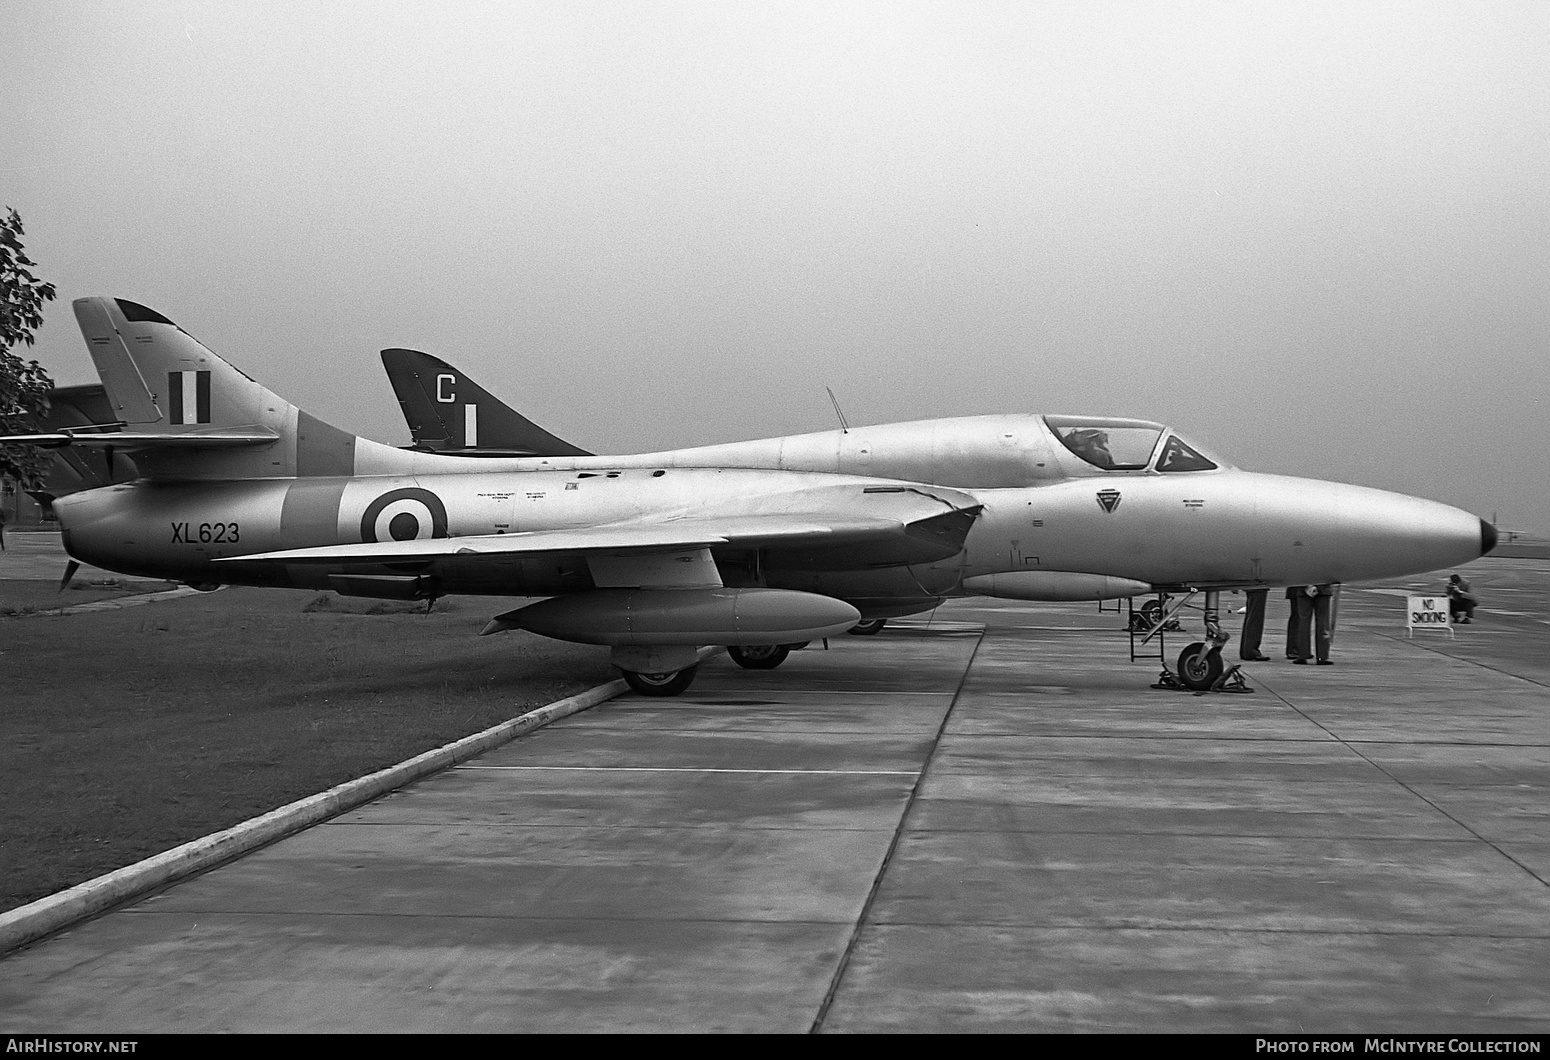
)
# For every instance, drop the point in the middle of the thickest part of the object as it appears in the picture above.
(1487, 537)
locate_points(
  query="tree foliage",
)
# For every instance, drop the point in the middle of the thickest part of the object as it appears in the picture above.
(24, 385)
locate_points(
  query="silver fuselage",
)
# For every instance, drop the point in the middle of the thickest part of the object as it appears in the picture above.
(1045, 511)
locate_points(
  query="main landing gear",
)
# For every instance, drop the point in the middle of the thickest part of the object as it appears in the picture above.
(759, 656)
(868, 627)
(672, 682)
(667, 683)
(1200, 665)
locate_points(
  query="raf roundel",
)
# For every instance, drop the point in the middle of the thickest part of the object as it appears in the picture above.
(404, 515)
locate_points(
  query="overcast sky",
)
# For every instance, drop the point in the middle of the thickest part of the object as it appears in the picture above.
(1316, 237)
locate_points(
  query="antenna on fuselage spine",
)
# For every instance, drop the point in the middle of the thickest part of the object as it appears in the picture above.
(844, 427)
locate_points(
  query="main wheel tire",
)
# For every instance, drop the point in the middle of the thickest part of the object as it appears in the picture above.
(1198, 667)
(759, 656)
(868, 627)
(669, 683)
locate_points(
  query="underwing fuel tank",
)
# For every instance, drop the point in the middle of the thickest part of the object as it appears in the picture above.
(683, 616)
(1054, 585)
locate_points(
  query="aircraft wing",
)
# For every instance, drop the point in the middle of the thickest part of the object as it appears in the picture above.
(662, 554)
(939, 534)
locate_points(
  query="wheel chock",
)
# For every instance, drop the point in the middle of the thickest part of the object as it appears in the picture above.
(1231, 681)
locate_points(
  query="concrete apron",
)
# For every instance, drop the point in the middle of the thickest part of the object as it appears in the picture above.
(1361, 847)
(695, 863)
(1351, 848)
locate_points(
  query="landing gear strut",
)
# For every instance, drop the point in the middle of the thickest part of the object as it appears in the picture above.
(1200, 664)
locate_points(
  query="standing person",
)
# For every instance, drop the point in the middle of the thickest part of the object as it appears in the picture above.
(1312, 620)
(1253, 627)
(1461, 599)
(1292, 593)
(1324, 621)
(2, 529)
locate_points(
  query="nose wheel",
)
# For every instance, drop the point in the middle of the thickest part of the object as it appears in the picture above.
(1200, 665)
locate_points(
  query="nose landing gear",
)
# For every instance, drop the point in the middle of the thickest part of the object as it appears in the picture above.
(1200, 665)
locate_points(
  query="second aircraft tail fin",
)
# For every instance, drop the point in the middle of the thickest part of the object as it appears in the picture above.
(449, 413)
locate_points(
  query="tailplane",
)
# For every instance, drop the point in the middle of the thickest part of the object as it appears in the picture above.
(183, 412)
(85, 410)
(450, 414)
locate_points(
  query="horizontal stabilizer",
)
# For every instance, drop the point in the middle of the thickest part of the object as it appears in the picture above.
(83, 409)
(132, 441)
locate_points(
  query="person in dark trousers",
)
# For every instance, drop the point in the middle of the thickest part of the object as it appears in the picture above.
(1292, 593)
(1312, 621)
(1461, 600)
(1253, 626)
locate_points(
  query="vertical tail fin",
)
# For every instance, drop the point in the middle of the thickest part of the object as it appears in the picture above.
(449, 413)
(161, 379)
(190, 414)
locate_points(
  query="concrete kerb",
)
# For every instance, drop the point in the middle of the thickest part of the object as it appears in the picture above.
(31, 922)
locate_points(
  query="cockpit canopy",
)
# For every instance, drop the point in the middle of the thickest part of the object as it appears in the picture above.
(1127, 445)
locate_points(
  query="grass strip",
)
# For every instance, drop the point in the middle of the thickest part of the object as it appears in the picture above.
(127, 733)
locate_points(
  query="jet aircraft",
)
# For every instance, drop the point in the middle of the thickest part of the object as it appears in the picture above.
(755, 545)
(1006, 451)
